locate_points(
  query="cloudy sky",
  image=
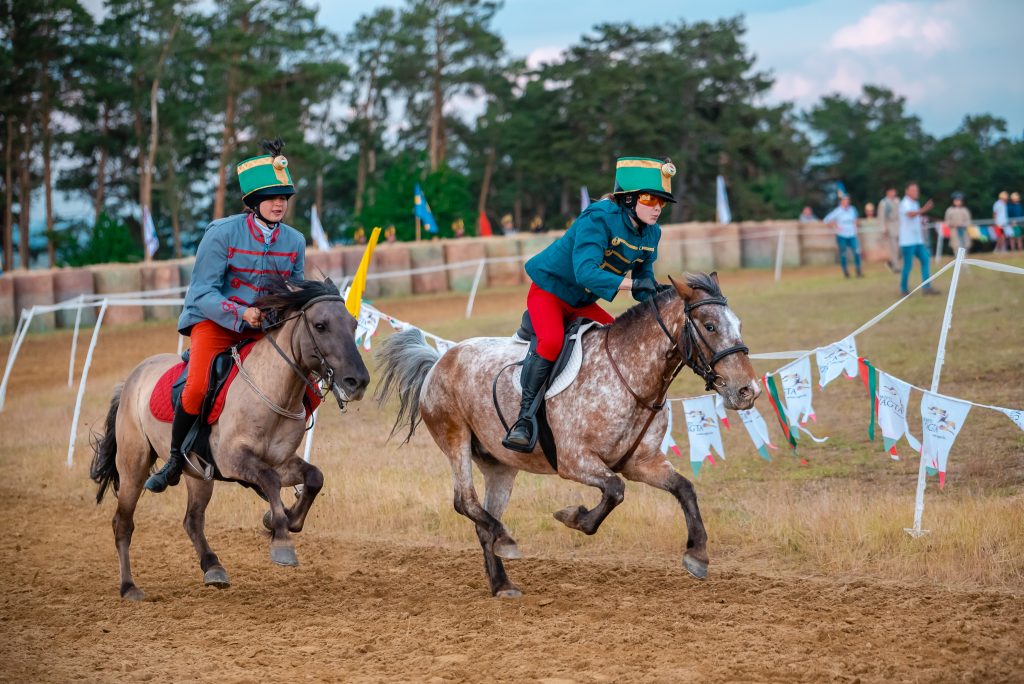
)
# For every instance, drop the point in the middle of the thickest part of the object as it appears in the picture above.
(947, 57)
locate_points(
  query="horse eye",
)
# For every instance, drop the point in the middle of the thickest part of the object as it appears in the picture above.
(320, 327)
(709, 327)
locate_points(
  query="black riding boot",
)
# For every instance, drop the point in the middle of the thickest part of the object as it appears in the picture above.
(535, 373)
(170, 474)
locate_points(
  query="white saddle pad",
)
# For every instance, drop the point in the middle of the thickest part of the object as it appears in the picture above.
(572, 367)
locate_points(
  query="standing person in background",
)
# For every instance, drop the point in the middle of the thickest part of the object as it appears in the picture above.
(889, 213)
(843, 220)
(508, 226)
(958, 217)
(1000, 217)
(1015, 214)
(869, 211)
(911, 237)
(807, 215)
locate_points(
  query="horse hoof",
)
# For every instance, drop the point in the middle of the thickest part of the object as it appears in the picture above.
(284, 555)
(216, 577)
(512, 593)
(133, 593)
(507, 550)
(569, 516)
(268, 517)
(698, 569)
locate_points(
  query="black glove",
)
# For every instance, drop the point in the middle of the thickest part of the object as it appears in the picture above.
(663, 287)
(643, 289)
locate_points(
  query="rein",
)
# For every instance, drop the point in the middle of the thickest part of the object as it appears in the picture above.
(690, 335)
(326, 376)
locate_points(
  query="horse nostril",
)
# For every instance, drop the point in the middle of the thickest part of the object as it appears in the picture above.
(351, 383)
(745, 393)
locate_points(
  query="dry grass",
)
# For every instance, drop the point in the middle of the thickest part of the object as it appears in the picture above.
(842, 515)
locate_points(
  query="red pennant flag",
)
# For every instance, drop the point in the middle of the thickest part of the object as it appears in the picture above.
(483, 225)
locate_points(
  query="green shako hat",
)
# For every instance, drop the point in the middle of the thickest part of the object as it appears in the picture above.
(266, 175)
(644, 174)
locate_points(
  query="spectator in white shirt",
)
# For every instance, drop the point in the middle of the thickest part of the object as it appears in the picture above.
(1000, 220)
(844, 220)
(912, 238)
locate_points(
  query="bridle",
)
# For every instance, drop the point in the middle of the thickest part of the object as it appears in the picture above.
(684, 346)
(325, 375)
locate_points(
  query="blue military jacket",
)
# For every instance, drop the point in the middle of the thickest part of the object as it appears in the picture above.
(232, 265)
(589, 262)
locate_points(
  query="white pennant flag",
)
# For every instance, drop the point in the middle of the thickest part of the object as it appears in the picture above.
(893, 402)
(796, 385)
(758, 431)
(316, 231)
(835, 359)
(668, 442)
(1016, 416)
(443, 345)
(366, 326)
(149, 232)
(720, 410)
(942, 418)
(702, 431)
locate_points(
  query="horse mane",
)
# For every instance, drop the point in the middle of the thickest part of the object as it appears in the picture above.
(285, 297)
(696, 281)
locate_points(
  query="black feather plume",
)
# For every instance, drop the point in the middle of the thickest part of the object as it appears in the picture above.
(272, 147)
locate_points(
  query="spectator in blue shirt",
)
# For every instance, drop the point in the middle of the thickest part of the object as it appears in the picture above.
(844, 220)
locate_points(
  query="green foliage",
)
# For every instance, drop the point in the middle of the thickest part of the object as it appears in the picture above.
(110, 240)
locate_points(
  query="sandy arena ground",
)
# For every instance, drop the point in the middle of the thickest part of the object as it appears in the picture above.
(391, 585)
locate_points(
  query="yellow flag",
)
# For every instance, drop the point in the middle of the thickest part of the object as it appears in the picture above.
(355, 291)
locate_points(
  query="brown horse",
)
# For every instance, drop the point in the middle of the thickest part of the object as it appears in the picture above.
(255, 439)
(602, 423)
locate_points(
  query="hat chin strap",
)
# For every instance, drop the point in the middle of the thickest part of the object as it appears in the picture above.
(254, 207)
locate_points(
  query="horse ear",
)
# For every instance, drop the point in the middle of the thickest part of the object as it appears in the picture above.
(684, 290)
(714, 277)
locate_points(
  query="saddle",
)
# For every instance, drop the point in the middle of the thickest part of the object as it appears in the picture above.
(166, 397)
(563, 372)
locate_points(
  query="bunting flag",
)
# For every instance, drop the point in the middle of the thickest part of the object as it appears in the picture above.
(941, 418)
(869, 375)
(720, 410)
(483, 225)
(149, 232)
(796, 385)
(668, 442)
(780, 410)
(836, 359)
(975, 234)
(702, 431)
(1016, 416)
(354, 299)
(758, 431)
(892, 402)
(316, 230)
(366, 327)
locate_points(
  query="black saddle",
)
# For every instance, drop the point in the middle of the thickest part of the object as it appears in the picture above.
(543, 433)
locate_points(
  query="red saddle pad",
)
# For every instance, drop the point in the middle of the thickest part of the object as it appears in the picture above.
(163, 410)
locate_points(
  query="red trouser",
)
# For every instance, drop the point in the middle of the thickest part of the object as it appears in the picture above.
(549, 314)
(208, 340)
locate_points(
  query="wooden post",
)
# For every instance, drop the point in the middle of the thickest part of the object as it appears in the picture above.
(417, 229)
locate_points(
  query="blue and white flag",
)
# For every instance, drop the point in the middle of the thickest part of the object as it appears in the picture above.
(584, 197)
(722, 202)
(149, 237)
(422, 210)
(316, 231)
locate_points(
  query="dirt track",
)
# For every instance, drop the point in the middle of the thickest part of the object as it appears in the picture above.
(369, 611)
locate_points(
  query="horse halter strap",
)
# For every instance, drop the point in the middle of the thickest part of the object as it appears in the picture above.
(706, 369)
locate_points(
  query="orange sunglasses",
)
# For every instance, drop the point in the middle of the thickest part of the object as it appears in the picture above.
(651, 200)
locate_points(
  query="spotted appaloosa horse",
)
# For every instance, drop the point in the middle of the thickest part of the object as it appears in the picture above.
(598, 422)
(253, 441)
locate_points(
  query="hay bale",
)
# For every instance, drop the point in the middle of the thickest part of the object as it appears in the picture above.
(389, 258)
(8, 313)
(425, 255)
(456, 251)
(337, 268)
(185, 267)
(33, 288)
(504, 273)
(350, 258)
(671, 252)
(161, 276)
(698, 252)
(114, 279)
(873, 245)
(726, 247)
(318, 264)
(534, 243)
(69, 283)
(817, 245)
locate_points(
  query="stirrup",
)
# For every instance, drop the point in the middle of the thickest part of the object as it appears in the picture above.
(534, 433)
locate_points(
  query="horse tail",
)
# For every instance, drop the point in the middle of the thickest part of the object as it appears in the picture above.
(404, 360)
(103, 470)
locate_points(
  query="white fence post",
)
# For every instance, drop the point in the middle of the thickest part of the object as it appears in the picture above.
(940, 357)
(74, 341)
(778, 255)
(19, 337)
(81, 383)
(476, 284)
(309, 436)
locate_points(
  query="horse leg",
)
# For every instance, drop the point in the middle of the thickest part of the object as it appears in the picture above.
(293, 472)
(124, 525)
(282, 549)
(658, 472)
(489, 529)
(590, 471)
(498, 481)
(199, 493)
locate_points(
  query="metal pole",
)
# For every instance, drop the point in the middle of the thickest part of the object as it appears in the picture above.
(74, 341)
(309, 437)
(15, 348)
(81, 383)
(778, 256)
(476, 284)
(940, 357)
